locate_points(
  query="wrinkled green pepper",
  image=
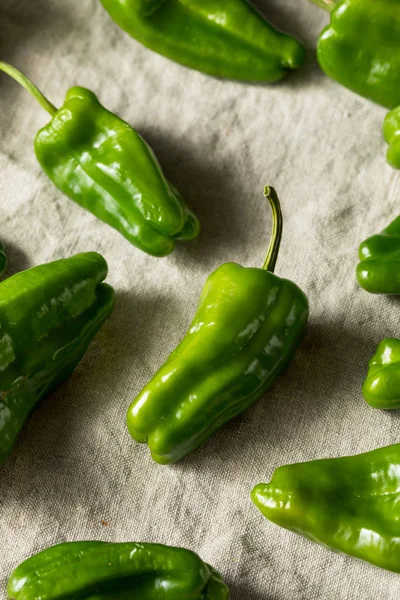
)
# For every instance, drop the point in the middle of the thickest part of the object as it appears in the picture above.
(360, 48)
(391, 131)
(381, 388)
(105, 166)
(3, 259)
(48, 317)
(349, 504)
(378, 271)
(104, 571)
(248, 325)
(224, 38)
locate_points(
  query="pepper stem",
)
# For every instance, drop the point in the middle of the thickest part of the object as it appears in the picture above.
(29, 86)
(328, 5)
(277, 226)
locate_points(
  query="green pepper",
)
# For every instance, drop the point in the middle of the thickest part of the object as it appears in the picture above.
(224, 38)
(245, 332)
(48, 317)
(104, 571)
(379, 269)
(105, 166)
(3, 259)
(391, 131)
(381, 387)
(360, 48)
(348, 504)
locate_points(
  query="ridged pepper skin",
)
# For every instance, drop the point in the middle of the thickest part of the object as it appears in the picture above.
(247, 327)
(391, 131)
(48, 316)
(381, 388)
(360, 48)
(3, 259)
(103, 164)
(378, 271)
(349, 504)
(224, 38)
(107, 571)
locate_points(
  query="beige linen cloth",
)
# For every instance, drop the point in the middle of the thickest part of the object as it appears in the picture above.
(75, 473)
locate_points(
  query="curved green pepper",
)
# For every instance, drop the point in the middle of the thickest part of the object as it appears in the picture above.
(360, 48)
(3, 259)
(349, 504)
(105, 166)
(224, 38)
(391, 131)
(379, 269)
(381, 387)
(48, 317)
(244, 334)
(104, 571)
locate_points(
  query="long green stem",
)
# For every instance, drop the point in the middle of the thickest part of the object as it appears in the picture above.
(277, 225)
(328, 5)
(29, 86)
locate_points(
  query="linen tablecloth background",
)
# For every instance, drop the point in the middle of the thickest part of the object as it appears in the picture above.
(75, 473)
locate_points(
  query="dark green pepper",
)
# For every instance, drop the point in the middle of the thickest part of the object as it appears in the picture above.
(348, 504)
(391, 131)
(245, 332)
(3, 259)
(360, 48)
(104, 571)
(381, 388)
(48, 317)
(225, 38)
(379, 269)
(104, 165)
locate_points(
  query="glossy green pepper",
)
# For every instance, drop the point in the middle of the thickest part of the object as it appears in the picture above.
(379, 269)
(3, 259)
(391, 131)
(104, 165)
(350, 504)
(360, 48)
(244, 334)
(381, 387)
(48, 317)
(224, 38)
(104, 571)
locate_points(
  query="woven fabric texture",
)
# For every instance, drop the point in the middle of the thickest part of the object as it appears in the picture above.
(75, 473)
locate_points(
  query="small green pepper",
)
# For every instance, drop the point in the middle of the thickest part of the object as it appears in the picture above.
(381, 388)
(224, 38)
(3, 259)
(104, 571)
(105, 166)
(379, 269)
(48, 317)
(247, 327)
(360, 48)
(349, 504)
(391, 131)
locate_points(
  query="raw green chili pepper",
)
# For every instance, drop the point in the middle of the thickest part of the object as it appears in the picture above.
(3, 259)
(104, 571)
(105, 166)
(349, 504)
(381, 388)
(48, 317)
(379, 269)
(225, 38)
(391, 131)
(360, 48)
(245, 332)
